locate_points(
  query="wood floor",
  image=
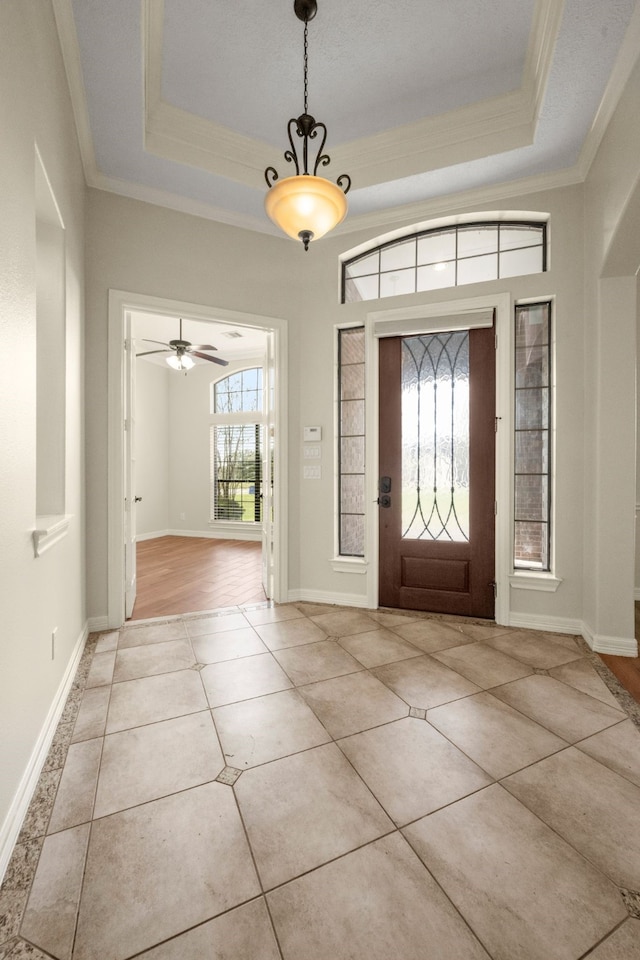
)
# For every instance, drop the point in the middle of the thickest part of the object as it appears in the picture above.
(627, 669)
(190, 574)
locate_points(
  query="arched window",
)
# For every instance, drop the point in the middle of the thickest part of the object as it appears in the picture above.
(235, 447)
(447, 256)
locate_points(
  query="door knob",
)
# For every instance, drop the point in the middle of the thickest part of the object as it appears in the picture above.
(384, 500)
(137, 499)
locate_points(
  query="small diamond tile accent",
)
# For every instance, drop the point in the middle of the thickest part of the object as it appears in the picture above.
(197, 666)
(631, 901)
(229, 775)
(418, 712)
(541, 672)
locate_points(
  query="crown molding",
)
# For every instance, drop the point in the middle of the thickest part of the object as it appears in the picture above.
(174, 201)
(625, 62)
(66, 27)
(490, 126)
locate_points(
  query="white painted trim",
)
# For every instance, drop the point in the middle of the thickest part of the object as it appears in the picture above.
(22, 798)
(121, 302)
(97, 624)
(235, 531)
(536, 621)
(389, 323)
(49, 531)
(322, 596)
(544, 582)
(619, 646)
(636, 593)
(496, 124)
(66, 27)
(349, 565)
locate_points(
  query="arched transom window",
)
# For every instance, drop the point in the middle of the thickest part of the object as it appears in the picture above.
(445, 257)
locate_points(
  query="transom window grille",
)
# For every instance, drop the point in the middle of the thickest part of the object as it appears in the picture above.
(445, 257)
(532, 534)
(435, 437)
(236, 443)
(351, 441)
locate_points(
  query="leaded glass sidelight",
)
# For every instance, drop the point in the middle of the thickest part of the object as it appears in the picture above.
(435, 437)
(532, 495)
(351, 441)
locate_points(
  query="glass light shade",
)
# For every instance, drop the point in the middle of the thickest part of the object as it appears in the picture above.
(181, 363)
(302, 203)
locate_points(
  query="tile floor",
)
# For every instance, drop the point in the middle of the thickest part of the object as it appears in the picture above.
(313, 783)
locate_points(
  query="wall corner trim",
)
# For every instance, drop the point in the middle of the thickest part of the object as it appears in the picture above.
(12, 825)
(618, 646)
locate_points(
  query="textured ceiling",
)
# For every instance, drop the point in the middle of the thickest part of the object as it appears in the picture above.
(185, 102)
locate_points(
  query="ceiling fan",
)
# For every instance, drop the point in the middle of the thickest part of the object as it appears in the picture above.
(183, 351)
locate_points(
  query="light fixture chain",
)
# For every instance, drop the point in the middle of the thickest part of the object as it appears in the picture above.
(306, 63)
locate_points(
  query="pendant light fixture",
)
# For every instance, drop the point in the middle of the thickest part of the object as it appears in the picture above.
(306, 206)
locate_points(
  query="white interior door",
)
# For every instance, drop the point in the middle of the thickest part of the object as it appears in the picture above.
(129, 470)
(267, 468)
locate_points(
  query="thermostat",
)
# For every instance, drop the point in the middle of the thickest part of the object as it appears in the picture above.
(312, 433)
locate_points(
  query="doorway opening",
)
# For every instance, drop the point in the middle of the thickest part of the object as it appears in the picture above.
(198, 550)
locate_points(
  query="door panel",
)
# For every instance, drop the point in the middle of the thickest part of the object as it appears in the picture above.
(437, 468)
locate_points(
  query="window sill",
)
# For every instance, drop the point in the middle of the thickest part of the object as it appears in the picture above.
(543, 582)
(349, 565)
(48, 531)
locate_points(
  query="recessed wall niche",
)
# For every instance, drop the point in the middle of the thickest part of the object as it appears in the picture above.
(50, 349)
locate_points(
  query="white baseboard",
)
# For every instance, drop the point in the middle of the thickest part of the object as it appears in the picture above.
(619, 646)
(235, 532)
(535, 621)
(153, 535)
(95, 624)
(319, 596)
(12, 825)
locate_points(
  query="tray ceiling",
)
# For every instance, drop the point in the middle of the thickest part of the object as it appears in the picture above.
(185, 102)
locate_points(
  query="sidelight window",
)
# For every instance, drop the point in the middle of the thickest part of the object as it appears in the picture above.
(532, 479)
(351, 442)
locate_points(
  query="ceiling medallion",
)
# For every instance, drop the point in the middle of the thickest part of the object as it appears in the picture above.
(306, 206)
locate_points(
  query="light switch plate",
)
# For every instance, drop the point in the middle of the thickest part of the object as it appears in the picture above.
(311, 453)
(312, 473)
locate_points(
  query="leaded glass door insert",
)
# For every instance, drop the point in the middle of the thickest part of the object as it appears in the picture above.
(435, 437)
(437, 467)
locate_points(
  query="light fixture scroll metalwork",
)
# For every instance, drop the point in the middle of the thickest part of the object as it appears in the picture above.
(306, 206)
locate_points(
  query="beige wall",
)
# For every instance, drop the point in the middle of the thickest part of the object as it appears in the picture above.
(36, 594)
(144, 249)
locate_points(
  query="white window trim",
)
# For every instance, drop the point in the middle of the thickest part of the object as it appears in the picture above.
(544, 582)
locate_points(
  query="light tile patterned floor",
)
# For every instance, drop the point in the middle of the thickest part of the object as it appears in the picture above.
(315, 783)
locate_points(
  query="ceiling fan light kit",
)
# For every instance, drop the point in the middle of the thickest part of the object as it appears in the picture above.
(306, 206)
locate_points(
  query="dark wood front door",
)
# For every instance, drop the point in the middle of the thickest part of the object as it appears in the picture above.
(437, 472)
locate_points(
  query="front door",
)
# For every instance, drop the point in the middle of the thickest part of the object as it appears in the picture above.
(437, 472)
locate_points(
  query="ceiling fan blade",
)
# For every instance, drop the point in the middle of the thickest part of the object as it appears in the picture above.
(205, 356)
(161, 342)
(148, 352)
(201, 346)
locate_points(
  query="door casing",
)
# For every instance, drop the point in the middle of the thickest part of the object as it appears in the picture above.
(120, 304)
(456, 314)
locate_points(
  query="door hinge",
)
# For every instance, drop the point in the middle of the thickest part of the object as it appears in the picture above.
(492, 583)
(496, 340)
(495, 508)
(496, 422)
